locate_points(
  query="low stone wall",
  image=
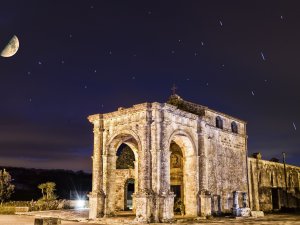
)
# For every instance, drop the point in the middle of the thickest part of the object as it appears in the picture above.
(21, 209)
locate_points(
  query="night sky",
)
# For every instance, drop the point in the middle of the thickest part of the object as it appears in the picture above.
(78, 58)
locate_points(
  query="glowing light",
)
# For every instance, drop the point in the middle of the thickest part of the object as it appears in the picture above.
(80, 204)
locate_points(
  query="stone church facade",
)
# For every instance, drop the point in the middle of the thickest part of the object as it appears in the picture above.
(161, 159)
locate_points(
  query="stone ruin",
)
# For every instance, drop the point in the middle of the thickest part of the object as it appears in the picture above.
(184, 159)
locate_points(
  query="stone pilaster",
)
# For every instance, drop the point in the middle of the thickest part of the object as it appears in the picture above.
(144, 206)
(97, 197)
(205, 203)
(110, 189)
(144, 198)
(96, 204)
(203, 177)
(255, 185)
(166, 213)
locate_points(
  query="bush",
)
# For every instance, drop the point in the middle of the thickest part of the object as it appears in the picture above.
(7, 210)
(39, 205)
(6, 188)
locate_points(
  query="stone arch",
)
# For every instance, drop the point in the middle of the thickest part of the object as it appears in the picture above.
(190, 171)
(112, 176)
(188, 140)
(128, 137)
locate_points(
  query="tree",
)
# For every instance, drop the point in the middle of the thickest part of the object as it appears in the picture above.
(48, 189)
(6, 188)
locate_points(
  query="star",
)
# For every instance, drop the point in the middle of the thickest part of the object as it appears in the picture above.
(70, 35)
(262, 56)
(133, 78)
(95, 71)
(173, 52)
(110, 52)
(30, 99)
(28, 72)
(62, 61)
(294, 126)
(85, 87)
(252, 92)
(40, 63)
(202, 43)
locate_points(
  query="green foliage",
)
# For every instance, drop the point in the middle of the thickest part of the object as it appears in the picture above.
(7, 210)
(126, 159)
(42, 204)
(48, 189)
(6, 188)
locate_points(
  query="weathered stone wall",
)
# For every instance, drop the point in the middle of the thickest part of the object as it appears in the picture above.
(213, 160)
(122, 176)
(226, 159)
(268, 187)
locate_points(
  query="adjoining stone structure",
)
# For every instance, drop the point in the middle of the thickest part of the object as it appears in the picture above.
(183, 152)
(268, 186)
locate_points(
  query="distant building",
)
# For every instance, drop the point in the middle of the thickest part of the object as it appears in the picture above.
(179, 157)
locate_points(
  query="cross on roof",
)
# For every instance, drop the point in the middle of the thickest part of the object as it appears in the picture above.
(174, 88)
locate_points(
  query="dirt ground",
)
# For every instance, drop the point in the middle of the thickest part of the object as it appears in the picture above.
(273, 219)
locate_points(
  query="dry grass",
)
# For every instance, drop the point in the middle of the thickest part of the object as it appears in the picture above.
(7, 210)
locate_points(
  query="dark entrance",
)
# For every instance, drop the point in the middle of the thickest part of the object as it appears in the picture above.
(129, 190)
(177, 200)
(275, 198)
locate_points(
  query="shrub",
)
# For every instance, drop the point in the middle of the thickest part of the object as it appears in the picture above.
(7, 210)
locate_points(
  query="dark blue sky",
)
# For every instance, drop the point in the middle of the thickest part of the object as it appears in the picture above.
(78, 58)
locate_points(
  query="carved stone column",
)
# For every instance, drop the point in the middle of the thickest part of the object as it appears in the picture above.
(136, 175)
(144, 198)
(166, 213)
(110, 189)
(203, 177)
(97, 197)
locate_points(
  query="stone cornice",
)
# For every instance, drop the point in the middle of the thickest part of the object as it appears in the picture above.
(95, 117)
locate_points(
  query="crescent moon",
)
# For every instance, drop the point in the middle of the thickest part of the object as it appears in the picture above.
(11, 48)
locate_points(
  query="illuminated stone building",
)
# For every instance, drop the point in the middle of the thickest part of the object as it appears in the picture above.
(161, 159)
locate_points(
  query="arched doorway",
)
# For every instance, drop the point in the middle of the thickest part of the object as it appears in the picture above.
(122, 171)
(128, 192)
(183, 174)
(176, 177)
